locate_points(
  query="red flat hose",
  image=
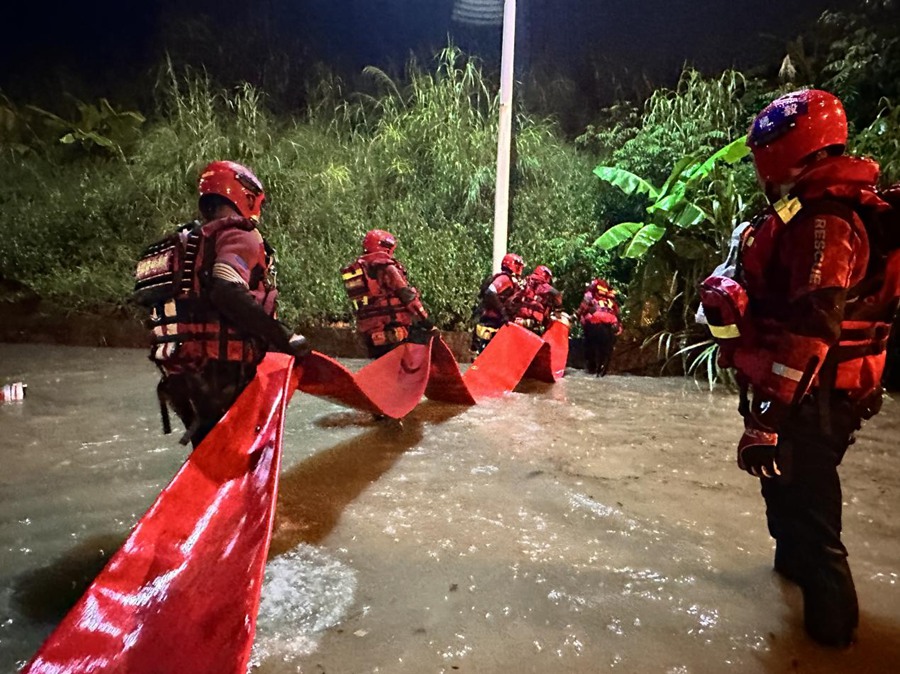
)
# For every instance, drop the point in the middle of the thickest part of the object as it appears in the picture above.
(182, 593)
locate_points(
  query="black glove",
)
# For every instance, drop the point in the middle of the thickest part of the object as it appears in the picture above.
(758, 450)
(758, 453)
(425, 324)
(422, 331)
(298, 346)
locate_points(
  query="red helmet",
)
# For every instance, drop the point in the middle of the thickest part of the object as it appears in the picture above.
(237, 184)
(793, 127)
(512, 264)
(543, 273)
(378, 239)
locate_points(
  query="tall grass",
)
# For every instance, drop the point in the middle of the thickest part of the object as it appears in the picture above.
(416, 158)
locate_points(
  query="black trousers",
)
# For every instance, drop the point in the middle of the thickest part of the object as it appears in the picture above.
(377, 351)
(599, 342)
(201, 398)
(803, 513)
(804, 507)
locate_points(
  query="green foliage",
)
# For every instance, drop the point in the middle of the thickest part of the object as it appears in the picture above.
(97, 127)
(688, 221)
(881, 139)
(414, 157)
(673, 211)
(699, 115)
(861, 63)
(700, 360)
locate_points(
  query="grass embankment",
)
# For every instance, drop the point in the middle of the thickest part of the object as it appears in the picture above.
(419, 162)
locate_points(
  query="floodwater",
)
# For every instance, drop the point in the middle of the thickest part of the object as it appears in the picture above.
(592, 525)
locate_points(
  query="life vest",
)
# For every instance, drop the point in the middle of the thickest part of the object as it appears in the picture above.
(529, 305)
(598, 309)
(508, 289)
(742, 323)
(861, 351)
(186, 329)
(380, 313)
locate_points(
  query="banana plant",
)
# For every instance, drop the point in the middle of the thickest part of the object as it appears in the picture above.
(679, 241)
(671, 210)
(97, 126)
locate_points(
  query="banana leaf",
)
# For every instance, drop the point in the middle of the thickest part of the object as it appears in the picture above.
(626, 181)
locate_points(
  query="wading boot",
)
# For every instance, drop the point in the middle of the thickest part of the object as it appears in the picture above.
(830, 608)
(788, 562)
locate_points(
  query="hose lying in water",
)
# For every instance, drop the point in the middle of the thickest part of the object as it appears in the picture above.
(182, 593)
(395, 383)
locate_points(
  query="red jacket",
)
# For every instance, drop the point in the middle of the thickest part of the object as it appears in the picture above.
(190, 330)
(381, 294)
(599, 308)
(535, 302)
(814, 298)
(505, 286)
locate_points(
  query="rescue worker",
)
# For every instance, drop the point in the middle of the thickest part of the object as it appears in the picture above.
(535, 303)
(598, 314)
(211, 328)
(805, 320)
(388, 309)
(494, 309)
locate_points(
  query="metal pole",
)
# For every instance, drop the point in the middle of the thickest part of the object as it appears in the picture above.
(504, 136)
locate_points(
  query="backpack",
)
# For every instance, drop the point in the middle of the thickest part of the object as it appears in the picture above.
(478, 307)
(883, 227)
(165, 269)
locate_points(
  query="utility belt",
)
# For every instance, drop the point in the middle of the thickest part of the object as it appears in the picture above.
(186, 333)
(393, 335)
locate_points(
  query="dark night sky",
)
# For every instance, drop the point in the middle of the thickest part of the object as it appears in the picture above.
(99, 37)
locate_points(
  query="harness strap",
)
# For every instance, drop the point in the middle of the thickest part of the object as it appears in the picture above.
(163, 405)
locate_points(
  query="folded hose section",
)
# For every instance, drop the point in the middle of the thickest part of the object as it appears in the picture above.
(394, 384)
(182, 593)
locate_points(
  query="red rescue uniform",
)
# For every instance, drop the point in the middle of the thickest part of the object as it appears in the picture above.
(495, 308)
(599, 317)
(535, 303)
(386, 305)
(821, 295)
(816, 304)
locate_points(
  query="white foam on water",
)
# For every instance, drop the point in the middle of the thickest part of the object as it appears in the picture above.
(305, 592)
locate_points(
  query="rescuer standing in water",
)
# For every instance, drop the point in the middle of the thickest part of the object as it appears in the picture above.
(599, 317)
(804, 317)
(495, 308)
(537, 300)
(211, 292)
(388, 309)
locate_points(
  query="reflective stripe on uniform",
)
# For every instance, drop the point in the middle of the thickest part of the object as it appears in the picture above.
(226, 272)
(725, 331)
(485, 332)
(783, 370)
(787, 208)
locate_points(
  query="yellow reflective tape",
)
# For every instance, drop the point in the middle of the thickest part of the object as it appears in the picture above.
(787, 208)
(484, 332)
(725, 331)
(352, 274)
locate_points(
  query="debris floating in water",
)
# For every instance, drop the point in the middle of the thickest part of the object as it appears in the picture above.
(14, 392)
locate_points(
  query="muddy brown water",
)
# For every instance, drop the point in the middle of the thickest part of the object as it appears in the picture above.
(592, 525)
